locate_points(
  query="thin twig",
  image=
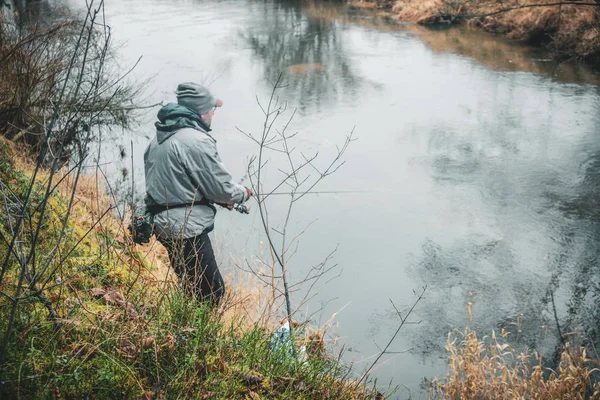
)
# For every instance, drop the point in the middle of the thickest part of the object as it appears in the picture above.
(402, 323)
(519, 7)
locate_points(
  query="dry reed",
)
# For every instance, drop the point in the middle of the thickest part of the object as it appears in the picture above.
(489, 368)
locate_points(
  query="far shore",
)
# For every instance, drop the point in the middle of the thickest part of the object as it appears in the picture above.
(567, 30)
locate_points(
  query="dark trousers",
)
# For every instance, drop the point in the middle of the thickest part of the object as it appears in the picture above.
(194, 263)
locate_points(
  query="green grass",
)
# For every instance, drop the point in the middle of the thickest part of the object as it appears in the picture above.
(122, 335)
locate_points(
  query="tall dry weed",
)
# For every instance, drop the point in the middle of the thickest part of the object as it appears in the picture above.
(489, 368)
(418, 11)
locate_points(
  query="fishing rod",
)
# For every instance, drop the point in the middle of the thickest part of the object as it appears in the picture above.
(303, 193)
(244, 209)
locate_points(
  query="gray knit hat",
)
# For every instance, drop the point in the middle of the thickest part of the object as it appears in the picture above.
(196, 97)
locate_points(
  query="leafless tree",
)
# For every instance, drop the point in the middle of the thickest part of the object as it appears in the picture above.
(58, 91)
(299, 176)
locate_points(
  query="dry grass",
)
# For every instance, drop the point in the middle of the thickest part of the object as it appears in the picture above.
(570, 29)
(365, 4)
(332, 12)
(418, 11)
(488, 368)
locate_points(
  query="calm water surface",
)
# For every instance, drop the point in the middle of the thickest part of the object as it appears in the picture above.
(477, 166)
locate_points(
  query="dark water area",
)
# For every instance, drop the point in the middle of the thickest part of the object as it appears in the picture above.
(476, 168)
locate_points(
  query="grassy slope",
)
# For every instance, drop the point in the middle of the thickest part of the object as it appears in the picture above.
(128, 331)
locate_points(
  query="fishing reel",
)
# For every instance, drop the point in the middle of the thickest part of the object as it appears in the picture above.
(241, 208)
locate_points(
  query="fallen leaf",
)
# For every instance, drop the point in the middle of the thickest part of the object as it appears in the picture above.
(23, 335)
(116, 298)
(251, 379)
(169, 342)
(54, 297)
(97, 292)
(303, 68)
(113, 297)
(148, 342)
(218, 365)
(129, 351)
(254, 395)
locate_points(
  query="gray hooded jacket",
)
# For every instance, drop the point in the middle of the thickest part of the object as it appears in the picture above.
(182, 166)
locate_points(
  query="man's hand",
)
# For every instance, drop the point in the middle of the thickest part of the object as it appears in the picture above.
(249, 193)
(228, 206)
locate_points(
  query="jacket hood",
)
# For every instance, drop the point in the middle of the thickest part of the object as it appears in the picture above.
(173, 117)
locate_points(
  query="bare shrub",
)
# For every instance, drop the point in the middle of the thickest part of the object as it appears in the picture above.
(56, 71)
(58, 90)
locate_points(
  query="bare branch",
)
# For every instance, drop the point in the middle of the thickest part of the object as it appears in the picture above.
(402, 323)
(519, 7)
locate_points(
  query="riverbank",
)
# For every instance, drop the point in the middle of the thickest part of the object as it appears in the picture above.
(109, 320)
(84, 311)
(568, 30)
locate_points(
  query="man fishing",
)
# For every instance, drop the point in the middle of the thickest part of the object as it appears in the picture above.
(184, 179)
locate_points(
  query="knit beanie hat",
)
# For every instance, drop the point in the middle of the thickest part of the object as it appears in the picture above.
(196, 97)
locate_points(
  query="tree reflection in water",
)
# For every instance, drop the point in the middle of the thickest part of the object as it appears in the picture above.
(505, 291)
(311, 55)
(583, 281)
(27, 11)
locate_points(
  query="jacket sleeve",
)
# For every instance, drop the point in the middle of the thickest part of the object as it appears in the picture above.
(208, 173)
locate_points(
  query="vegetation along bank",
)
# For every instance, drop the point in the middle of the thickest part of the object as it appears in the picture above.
(568, 28)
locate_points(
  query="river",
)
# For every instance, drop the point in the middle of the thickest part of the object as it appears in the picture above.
(475, 170)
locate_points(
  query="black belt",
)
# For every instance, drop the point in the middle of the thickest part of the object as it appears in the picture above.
(158, 208)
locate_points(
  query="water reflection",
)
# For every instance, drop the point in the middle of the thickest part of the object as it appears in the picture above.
(27, 11)
(495, 159)
(585, 204)
(489, 270)
(582, 281)
(500, 54)
(308, 51)
(484, 271)
(492, 51)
